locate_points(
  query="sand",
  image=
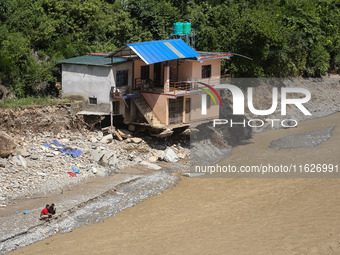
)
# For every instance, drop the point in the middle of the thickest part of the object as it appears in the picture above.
(224, 215)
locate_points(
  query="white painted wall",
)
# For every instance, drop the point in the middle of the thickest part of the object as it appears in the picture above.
(88, 81)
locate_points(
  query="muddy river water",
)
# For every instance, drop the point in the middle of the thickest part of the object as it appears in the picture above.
(227, 215)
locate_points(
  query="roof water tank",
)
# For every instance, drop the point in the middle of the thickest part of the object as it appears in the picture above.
(186, 28)
(178, 28)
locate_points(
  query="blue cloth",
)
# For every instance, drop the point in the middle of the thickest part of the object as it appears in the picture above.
(64, 149)
(75, 170)
(26, 212)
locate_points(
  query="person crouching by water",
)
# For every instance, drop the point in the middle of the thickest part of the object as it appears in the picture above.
(52, 209)
(44, 215)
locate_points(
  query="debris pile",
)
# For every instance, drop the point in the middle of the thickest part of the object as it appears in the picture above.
(45, 162)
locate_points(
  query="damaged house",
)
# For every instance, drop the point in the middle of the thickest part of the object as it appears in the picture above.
(156, 83)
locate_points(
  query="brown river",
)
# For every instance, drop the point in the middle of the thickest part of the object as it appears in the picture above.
(225, 215)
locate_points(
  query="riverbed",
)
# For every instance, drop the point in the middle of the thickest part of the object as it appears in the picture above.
(227, 215)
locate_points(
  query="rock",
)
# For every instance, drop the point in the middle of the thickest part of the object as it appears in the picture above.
(94, 170)
(170, 156)
(107, 139)
(64, 141)
(25, 154)
(96, 155)
(150, 165)
(181, 154)
(131, 127)
(93, 139)
(192, 175)
(106, 157)
(160, 154)
(2, 162)
(165, 133)
(186, 132)
(19, 152)
(34, 157)
(136, 140)
(138, 159)
(22, 161)
(100, 135)
(16, 160)
(50, 155)
(7, 145)
(85, 151)
(103, 172)
(160, 147)
(152, 159)
(113, 161)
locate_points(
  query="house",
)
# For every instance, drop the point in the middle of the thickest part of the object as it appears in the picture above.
(156, 83)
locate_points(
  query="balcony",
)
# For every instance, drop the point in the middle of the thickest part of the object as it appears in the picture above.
(183, 87)
(174, 88)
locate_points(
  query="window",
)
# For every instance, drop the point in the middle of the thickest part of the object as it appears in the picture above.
(145, 72)
(122, 78)
(206, 71)
(92, 100)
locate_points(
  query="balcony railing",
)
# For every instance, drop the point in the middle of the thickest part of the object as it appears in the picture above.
(194, 84)
(178, 87)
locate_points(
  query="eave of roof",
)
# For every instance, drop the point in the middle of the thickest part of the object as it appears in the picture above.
(93, 60)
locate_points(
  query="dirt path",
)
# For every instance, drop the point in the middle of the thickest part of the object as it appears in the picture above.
(226, 216)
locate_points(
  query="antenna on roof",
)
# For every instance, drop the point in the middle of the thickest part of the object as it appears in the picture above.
(184, 31)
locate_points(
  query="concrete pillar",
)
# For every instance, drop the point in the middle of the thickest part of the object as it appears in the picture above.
(133, 111)
(166, 78)
(183, 112)
(167, 112)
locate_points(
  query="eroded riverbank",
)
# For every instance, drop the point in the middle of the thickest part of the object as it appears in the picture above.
(82, 204)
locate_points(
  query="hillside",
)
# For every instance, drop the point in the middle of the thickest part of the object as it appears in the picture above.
(284, 38)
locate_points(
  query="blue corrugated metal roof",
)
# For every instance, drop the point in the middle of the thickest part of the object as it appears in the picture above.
(159, 51)
(93, 60)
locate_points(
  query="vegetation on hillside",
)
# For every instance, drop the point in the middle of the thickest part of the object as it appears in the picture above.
(284, 37)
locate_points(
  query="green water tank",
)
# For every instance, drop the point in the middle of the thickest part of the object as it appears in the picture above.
(178, 28)
(186, 28)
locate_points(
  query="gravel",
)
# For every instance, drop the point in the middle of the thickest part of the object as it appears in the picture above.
(41, 169)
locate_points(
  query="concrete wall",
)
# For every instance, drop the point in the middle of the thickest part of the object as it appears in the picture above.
(195, 111)
(88, 81)
(159, 104)
(125, 66)
(185, 70)
(137, 69)
(193, 69)
(92, 81)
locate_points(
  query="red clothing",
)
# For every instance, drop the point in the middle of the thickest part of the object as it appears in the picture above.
(44, 211)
